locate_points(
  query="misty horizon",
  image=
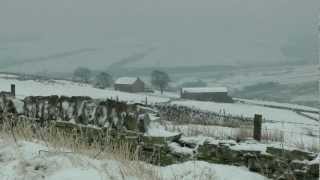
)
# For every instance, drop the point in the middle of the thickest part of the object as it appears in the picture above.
(61, 35)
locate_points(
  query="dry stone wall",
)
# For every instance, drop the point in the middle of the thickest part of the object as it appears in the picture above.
(128, 123)
(77, 109)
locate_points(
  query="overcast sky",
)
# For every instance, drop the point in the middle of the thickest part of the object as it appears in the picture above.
(55, 35)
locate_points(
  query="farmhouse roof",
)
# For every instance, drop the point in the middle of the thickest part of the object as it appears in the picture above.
(205, 90)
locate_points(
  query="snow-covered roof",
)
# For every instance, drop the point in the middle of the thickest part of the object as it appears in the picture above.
(204, 90)
(126, 80)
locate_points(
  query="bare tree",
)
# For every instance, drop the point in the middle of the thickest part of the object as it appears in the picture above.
(160, 79)
(103, 80)
(82, 74)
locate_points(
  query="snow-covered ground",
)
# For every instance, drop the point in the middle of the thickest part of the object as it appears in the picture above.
(247, 110)
(67, 88)
(293, 136)
(61, 87)
(276, 104)
(33, 161)
(173, 95)
(313, 115)
(283, 83)
(296, 127)
(281, 74)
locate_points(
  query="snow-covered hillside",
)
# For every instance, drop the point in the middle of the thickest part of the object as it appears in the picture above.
(283, 83)
(67, 88)
(34, 161)
(276, 104)
(240, 78)
(247, 110)
(296, 126)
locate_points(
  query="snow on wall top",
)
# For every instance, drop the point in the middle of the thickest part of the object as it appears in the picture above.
(126, 80)
(205, 90)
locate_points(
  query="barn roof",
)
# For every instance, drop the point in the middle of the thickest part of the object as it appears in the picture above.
(126, 80)
(204, 90)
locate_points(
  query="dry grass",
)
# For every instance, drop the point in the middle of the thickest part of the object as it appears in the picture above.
(274, 135)
(314, 146)
(188, 115)
(60, 142)
(241, 133)
(196, 130)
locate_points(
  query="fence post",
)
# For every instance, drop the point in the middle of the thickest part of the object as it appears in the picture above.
(13, 90)
(146, 102)
(257, 126)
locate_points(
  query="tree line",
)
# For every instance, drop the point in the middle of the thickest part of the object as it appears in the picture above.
(102, 80)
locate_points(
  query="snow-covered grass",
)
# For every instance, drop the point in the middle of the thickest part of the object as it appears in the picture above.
(296, 129)
(294, 126)
(269, 136)
(247, 110)
(281, 74)
(155, 129)
(166, 94)
(276, 104)
(22, 162)
(67, 88)
(33, 161)
(205, 130)
(26, 154)
(313, 115)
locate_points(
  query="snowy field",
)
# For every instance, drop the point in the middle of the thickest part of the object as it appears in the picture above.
(247, 110)
(293, 136)
(280, 74)
(34, 161)
(276, 104)
(296, 127)
(313, 115)
(67, 88)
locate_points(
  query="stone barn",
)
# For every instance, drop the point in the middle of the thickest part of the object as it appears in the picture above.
(129, 84)
(217, 94)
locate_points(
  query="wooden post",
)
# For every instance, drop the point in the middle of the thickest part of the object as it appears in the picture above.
(13, 90)
(146, 102)
(257, 123)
